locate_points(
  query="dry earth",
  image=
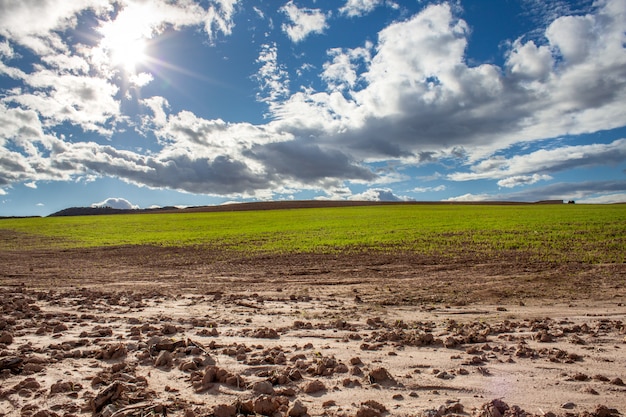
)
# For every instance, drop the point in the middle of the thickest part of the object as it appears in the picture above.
(147, 331)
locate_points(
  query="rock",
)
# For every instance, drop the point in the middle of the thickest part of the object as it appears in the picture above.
(114, 351)
(580, 377)
(164, 359)
(313, 387)
(604, 411)
(158, 344)
(6, 338)
(45, 413)
(356, 361)
(59, 328)
(617, 381)
(589, 390)
(12, 363)
(494, 408)
(380, 375)
(266, 333)
(169, 329)
(106, 396)
(450, 342)
(568, 405)
(263, 387)
(32, 368)
(297, 409)
(224, 410)
(265, 405)
(371, 408)
(63, 386)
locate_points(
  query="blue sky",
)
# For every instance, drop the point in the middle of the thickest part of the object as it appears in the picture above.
(137, 103)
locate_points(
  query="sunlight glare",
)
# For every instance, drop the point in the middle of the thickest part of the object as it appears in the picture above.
(125, 38)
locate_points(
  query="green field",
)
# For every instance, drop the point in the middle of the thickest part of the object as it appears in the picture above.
(582, 233)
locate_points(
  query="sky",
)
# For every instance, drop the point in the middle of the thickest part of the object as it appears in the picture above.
(139, 104)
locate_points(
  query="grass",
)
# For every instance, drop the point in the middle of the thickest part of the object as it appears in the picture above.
(587, 233)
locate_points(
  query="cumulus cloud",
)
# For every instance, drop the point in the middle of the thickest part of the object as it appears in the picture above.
(116, 203)
(378, 194)
(517, 180)
(535, 165)
(303, 22)
(272, 77)
(428, 189)
(354, 8)
(587, 191)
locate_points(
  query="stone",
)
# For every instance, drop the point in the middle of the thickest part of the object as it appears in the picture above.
(263, 387)
(164, 359)
(224, 410)
(313, 387)
(297, 409)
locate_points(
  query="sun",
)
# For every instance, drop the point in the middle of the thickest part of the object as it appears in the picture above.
(129, 54)
(125, 39)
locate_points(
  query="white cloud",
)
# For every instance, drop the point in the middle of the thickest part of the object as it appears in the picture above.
(605, 199)
(355, 8)
(341, 73)
(517, 180)
(31, 22)
(116, 203)
(378, 194)
(599, 192)
(537, 164)
(469, 197)
(158, 105)
(273, 78)
(303, 22)
(429, 189)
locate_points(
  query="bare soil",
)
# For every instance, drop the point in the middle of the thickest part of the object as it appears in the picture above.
(138, 331)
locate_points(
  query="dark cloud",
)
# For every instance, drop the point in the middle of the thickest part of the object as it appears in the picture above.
(308, 162)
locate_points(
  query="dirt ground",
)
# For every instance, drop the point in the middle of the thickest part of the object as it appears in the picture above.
(146, 331)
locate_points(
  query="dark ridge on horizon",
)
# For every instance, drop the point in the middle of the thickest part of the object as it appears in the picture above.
(275, 205)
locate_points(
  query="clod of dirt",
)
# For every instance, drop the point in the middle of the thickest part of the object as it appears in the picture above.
(169, 329)
(106, 396)
(297, 410)
(12, 363)
(6, 338)
(263, 387)
(356, 361)
(113, 351)
(157, 344)
(380, 376)
(313, 387)
(265, 333)
(580, 377)
(617, 381)
(224, 410)
(451, 342)
(371, 408)
(164, 359)
(214, 374)
(494, 408)
(64, 386)
(604, 411)
(266, 405)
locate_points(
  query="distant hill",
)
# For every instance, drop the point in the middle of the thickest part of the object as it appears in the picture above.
(271, 205)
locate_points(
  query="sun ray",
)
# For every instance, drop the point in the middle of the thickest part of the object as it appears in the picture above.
(125, 39)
